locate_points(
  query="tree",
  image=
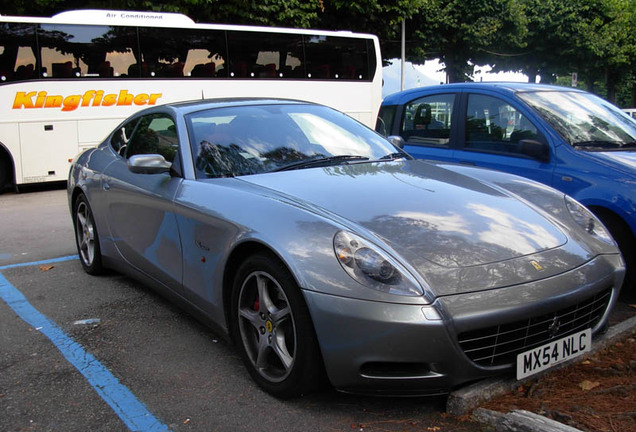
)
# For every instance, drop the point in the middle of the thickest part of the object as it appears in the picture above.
(465, 33)
(382, 18)
(291, 13)
(594, 38)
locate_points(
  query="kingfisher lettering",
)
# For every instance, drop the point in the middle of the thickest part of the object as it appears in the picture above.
(90, 98)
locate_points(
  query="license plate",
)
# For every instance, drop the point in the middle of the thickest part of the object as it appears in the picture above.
(553, 353)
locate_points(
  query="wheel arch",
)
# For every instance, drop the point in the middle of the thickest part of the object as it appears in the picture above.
(77, 191)
(7, 158)
(610, 217)
(240, 253)
(624, 237)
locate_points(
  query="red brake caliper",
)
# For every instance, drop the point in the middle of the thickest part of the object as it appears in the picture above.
(256, 307)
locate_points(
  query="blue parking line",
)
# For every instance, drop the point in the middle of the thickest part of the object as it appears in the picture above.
(50, 261)
(130, 410)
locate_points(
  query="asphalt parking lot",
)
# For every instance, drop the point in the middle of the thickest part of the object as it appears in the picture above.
(81, 353)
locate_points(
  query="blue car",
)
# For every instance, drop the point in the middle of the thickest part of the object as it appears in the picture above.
(565, 138)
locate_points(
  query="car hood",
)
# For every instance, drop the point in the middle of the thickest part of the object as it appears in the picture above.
(420, 211)
(621, 160)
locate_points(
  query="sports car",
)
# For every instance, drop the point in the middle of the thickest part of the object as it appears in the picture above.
(331, 257)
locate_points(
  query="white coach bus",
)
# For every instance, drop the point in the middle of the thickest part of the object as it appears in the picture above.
(67, 81)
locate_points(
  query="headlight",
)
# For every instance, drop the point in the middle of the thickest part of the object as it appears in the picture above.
(586, 220)
(373, 268)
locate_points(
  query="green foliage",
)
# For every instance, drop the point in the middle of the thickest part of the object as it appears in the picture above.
(465, 33)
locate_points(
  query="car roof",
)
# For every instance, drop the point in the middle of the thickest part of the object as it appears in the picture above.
(500, 87)
(187, 107)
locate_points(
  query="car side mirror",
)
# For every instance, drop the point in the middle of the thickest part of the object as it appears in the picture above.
(535, 149)
(397, 141)
(148, 164)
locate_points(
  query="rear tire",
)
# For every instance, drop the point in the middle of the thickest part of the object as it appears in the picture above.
(272, 328)
(86, 237)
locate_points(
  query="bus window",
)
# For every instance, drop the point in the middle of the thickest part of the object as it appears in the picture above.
(76, 51)
(17, 58)
(182, 53)
(85, 79)
(265, 55)
(332, 57)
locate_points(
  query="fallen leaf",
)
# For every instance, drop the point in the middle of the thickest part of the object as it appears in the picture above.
(586, 362)
(588, 385)
(45, 268)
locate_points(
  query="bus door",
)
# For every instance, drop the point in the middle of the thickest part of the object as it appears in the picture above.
(47, 149)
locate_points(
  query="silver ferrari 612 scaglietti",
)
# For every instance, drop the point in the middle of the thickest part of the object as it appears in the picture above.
(328, 255)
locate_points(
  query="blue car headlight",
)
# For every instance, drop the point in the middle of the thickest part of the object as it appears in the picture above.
(586, 220)
(372, 267)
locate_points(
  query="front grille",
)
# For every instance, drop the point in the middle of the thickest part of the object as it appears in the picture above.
(500, 344)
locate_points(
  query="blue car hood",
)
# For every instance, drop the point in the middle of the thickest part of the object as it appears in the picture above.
(420, 210)
(624, 161)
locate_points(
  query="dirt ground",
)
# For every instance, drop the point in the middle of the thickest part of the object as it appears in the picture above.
(597, 394)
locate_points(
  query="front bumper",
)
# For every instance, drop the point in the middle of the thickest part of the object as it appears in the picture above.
(390, 348)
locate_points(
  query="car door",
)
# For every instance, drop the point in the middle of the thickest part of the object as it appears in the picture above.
(498, 134)
(140, 207)
(427, 126)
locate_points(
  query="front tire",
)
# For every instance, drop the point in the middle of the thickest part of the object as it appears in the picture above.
(626, 243)
(86, 237)
(272, 328)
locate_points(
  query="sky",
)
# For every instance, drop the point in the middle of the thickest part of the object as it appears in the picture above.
(430, 74)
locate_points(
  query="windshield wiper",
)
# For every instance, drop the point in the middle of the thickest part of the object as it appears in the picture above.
(321, 161)
(598, 144)
(396, 155)
(606, 145)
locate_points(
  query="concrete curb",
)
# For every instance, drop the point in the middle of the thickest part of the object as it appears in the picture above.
(520, 421)
(467, 399)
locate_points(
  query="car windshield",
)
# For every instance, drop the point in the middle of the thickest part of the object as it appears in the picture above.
(585, 121)
(243, 140)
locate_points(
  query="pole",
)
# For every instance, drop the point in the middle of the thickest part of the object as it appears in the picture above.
(403, 52)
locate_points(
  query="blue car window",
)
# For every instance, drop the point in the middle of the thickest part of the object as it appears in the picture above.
(427, 120)
(493, 125)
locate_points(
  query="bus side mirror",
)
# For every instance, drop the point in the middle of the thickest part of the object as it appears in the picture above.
(535, 149)
(397, 141)
(148, 164)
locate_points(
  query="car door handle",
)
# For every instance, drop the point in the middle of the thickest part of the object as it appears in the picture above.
(106, 186)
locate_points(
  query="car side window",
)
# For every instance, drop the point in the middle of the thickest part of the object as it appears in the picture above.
(495, 126)
(120, 138)
(155, 134)
(386, 117)
(427, 120)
